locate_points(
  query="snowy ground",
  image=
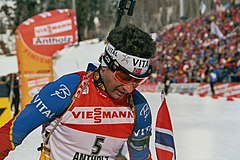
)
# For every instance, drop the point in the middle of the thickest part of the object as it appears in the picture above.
(8, 65)
(204, 129)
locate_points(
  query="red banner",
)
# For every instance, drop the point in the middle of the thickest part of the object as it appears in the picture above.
(37, 39)
(221, 89)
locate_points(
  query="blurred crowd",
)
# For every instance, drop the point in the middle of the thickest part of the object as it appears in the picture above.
(188, 52)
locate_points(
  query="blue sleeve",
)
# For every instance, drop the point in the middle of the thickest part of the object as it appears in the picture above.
(138, 142)
(52, 100)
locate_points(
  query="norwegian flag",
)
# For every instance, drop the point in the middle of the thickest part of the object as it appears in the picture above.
(164, 141)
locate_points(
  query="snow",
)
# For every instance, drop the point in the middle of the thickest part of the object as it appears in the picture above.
(8, 65)
(10, 3)
(204, 128)
(7, 22)
(73, 58)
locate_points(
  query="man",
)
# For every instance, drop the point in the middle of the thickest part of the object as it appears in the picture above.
(4, 89)
(167, 82)
(14, 95)
(212, 79)
(90, 115)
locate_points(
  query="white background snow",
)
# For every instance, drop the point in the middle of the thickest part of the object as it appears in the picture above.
(204, 128)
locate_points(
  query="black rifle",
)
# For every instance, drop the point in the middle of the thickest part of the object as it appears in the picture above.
(122, 6)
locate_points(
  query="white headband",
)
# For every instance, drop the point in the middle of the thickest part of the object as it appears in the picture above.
(135, 65)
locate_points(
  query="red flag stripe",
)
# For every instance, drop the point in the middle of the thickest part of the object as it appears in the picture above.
(165, 148)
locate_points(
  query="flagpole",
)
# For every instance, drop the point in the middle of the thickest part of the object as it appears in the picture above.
(162, 95)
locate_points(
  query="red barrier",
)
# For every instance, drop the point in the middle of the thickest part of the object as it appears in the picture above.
(201, 89)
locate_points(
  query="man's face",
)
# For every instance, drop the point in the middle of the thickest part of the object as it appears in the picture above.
(115, 89)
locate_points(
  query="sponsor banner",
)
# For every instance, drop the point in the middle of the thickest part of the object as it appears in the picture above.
(221, 89)
(5, 111)
(50, 31)
(183, 87)
(149, 87)
(37, 39)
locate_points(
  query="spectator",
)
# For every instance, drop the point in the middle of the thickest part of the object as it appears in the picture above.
(14, 95)
(188, 49)
(212, 79)
(167, 83)
(4, 88)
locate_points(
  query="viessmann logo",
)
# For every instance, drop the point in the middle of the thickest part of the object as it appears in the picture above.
(53, 28)
(103, 115)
